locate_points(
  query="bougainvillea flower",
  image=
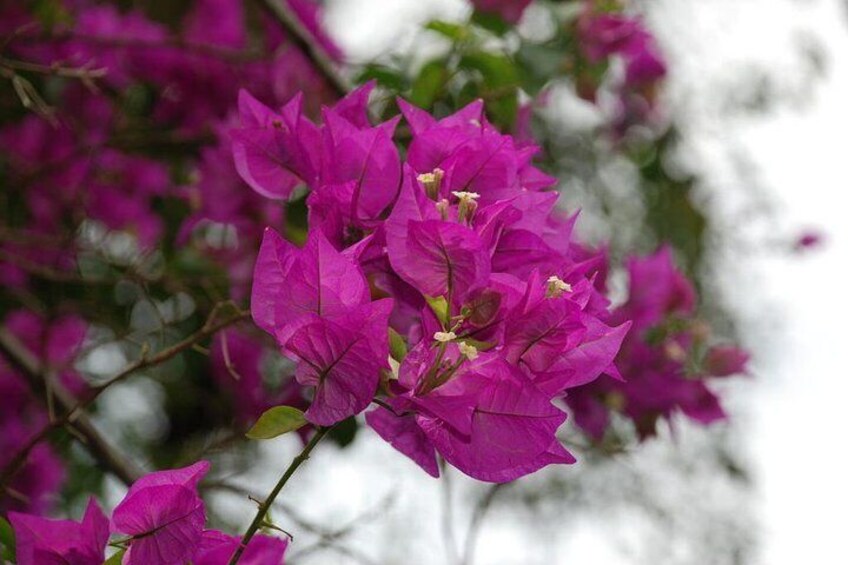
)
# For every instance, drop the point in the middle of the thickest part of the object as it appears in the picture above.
(216, 22)
(41, 541)
(808, 240)
(403, 433)
(662, 368)
(274, 152)
(164, 516)
(488, 419)
(502, 311)
(217, 548)
(604, 35)
(342, 357)
(513, 429)
(444, 259)
(290, 283)
(657, 289)
(368, 158)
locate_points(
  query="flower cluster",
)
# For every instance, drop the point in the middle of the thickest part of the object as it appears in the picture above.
(56, 343)
(455, 254)
(665, 360)
(160, 521)
(604, 35)
(98, 157)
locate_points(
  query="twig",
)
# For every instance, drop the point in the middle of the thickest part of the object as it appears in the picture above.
(84, 73)
(74, 410)
(269, 501)
(29, 96)
(301, 37)
(31, 367)
(222, 53)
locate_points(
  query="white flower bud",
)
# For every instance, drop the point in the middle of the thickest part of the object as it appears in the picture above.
(468, 350)
(556, 286)
(444, 337)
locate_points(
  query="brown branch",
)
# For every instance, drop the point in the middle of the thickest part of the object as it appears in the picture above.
(303, 39)
(38, 378)
(222, 53)
(84, 73)
(74, 411)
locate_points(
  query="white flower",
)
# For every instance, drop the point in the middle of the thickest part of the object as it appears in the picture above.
(468, 350)
(444, 337)
(394, 365)
(556, 286)
(466, 196)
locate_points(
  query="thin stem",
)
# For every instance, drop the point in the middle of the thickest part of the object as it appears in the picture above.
(84, 73)
(269, 501)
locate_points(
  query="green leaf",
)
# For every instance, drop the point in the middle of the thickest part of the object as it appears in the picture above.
(7, 541)
(450, 30)
(500, 81)
(276, 421)
(491, 22)
(440, 308)
(385, 76)
(428, 83)
(116, 559)
(397, 345)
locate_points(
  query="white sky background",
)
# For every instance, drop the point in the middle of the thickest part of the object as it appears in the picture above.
(791, 308)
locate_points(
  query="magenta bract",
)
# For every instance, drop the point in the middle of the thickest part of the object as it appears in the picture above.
(164, 516)
(53, 542)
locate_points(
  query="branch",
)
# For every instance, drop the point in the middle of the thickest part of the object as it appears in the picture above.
(223, 53)
(29, 96)
(74, 411)
(301, 37)
(85, 73)
(119, 465)
(269, 501)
